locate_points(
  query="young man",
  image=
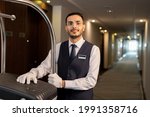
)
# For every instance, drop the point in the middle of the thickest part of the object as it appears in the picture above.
(78, 64)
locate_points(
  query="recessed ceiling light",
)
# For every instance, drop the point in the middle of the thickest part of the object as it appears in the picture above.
(141, 20)
(100, 27)
(93, 20)
(115, 34)
(48, 1)
(138, 34)
(129, 37)
(109, 11)
(105, 30)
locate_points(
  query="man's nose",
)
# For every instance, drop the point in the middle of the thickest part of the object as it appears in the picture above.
(74, 25)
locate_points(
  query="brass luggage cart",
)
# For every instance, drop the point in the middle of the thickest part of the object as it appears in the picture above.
(9, 88)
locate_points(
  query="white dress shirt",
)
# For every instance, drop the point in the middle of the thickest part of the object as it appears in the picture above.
(83, 83)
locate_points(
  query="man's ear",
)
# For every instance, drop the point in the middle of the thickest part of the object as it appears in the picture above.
(84, 27)
(66, 29)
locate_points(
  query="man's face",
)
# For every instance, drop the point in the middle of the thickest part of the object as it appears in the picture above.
(75, 26)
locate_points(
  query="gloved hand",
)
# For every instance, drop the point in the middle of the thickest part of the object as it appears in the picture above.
(55, 80)
(27, 77)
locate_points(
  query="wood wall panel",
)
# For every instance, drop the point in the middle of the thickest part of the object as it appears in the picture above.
(28, 41)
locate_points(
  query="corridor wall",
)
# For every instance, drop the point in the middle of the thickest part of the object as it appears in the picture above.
(146, 61)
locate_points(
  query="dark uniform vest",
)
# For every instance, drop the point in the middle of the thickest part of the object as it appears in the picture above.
(78, 68)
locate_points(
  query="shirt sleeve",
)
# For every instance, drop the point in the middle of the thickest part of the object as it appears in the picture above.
(45, 67)
(90, 80)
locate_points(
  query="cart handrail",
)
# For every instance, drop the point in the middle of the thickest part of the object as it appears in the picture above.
(50, 28)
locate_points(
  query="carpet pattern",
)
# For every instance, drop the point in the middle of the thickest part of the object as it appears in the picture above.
(121, 82)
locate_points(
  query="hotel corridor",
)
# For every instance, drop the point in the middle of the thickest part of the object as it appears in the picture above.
(121, 82)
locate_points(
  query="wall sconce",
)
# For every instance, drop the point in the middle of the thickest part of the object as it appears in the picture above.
(41, 4)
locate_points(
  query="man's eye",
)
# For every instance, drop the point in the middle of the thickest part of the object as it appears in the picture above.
(70, 23)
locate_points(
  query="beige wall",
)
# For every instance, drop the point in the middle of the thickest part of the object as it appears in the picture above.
(146, 61)
(148, 64)
(92, 33)
(56, 21)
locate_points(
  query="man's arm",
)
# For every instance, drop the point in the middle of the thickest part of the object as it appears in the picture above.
(43, 69)
(36, 73)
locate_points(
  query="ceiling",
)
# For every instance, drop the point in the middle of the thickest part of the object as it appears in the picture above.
(123, 13)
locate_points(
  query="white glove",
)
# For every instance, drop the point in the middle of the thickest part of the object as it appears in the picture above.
(27, 77)
(55, 80)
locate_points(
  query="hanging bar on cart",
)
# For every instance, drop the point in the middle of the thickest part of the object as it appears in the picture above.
(12, 17)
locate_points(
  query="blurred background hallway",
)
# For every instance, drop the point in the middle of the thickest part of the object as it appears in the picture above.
(122, 81)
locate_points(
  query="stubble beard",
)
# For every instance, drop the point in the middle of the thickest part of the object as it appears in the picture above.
(74, 36)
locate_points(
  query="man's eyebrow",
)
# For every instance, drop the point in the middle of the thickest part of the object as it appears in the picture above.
(73, 21)
(78, 21)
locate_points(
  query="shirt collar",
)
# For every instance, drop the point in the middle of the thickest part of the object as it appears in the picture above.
(78, 43)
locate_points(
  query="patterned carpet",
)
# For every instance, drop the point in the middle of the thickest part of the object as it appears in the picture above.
(121, 82)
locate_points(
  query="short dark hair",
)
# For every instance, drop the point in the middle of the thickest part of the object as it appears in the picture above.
(74, 13)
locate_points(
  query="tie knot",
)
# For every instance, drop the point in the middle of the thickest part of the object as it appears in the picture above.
(73, 45)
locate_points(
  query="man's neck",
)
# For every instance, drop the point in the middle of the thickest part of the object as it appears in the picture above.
(75, 40)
